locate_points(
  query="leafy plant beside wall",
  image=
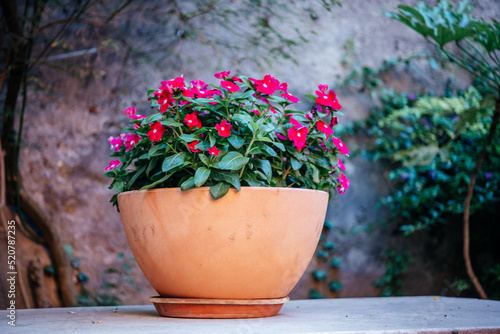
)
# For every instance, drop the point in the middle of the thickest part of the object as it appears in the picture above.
(472, 44)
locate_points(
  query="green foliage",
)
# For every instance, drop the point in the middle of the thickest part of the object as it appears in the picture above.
(477, 41)
(431, 144)
(327, 266)
(114, 282)
(392, 280)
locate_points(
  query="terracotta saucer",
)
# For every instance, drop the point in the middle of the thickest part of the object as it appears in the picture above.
(217, 308)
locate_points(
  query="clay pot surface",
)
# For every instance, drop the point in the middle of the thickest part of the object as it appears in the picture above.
(250, 244)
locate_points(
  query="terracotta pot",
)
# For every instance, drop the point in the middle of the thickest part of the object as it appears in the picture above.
(251, 244)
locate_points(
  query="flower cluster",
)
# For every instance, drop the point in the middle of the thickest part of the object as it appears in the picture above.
(243, 131)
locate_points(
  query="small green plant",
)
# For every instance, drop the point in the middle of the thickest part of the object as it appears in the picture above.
(392, 280)
(326, 272)
(114, 282)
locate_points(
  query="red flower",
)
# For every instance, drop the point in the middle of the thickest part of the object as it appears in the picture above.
(290, 97)
(323, 127)
(192, 121)
(344, 183)
(298, 136)
(334, 121)
(325, 99)
(192, 145)
(156, 132)
(267, 86)
(256, 111)
(222, 75)
(213, 151)
(229, 86)
(112, 165)
(224, 128)
(116, 143)
(132, 139)
(341, 146)
(165, 99)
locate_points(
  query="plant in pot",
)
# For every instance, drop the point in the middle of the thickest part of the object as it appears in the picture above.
(223, 191)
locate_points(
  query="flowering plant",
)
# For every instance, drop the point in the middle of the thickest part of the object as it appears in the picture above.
(241, 132)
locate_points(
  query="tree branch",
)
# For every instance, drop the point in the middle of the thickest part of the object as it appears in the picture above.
(470, 190)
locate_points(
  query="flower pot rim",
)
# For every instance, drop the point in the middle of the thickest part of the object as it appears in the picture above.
(178, 189)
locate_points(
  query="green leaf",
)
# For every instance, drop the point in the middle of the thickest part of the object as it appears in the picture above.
(233, 161)
(154, 184)
(153, 151)
(245, 95)
(229, 177)
(201, 176)
(267, 149)
(173, 161)
(211, 138)
(189, 138)
(250, 178)
(169, 122)
(279, 146)
(265, 166)
(136, 176)
(118, 186)
(188, 184)
(296, 165)
(152, 118)
(236, 141)
(219, 190)
(204, 159)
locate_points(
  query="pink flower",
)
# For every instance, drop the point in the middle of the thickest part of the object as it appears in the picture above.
(192, 121)
(323, 88)
(136, 126)
(213, 151)
(224, 128)
(156, 132)
(298, 136)
(116, 143)
(295, 123)
(283, 87)
(340, 164)
(323, 127)
(222, 75)
(229, 86)
(171, 85)
(344, 183)
(129, 111)
(199, 84)
(112, 165)
(137, 117)
(341, 146)
(192, 145)
(256, 111)
(132, 139)
(280, 136)
(290, 97)
(267, 86)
